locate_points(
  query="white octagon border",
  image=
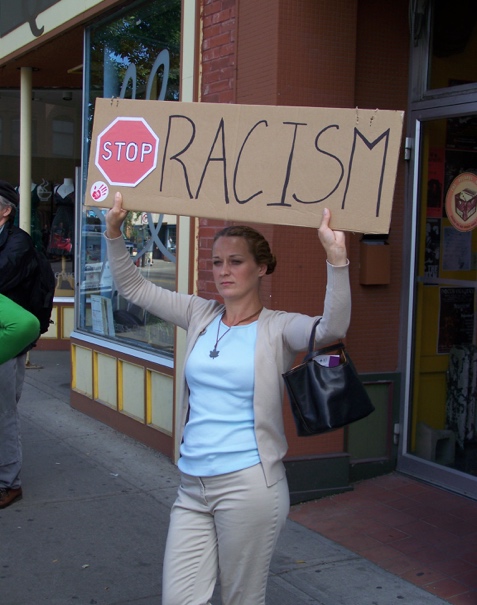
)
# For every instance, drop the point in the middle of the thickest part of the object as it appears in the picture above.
(98, 148)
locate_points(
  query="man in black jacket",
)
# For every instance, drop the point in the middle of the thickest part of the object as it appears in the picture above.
(18, 279)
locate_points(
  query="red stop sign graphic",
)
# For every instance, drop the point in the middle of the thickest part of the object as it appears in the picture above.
(126, 151)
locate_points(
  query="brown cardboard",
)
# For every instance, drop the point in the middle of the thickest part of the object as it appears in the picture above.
(247, 163)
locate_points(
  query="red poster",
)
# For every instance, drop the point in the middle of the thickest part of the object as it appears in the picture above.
(435, 182)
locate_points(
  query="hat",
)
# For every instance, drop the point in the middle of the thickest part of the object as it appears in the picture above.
(9, 193)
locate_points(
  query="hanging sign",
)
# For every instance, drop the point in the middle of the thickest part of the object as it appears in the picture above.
(247, 163)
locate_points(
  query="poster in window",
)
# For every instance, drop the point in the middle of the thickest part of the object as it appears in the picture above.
(462, 133)
(456, 318)
(435, 182)
(461, 202)
(433, 247)
(102, 315)
(457, 254)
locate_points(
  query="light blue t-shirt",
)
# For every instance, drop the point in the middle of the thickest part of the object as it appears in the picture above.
(219, 436)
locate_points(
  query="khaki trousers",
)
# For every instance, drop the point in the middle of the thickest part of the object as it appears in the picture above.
(226, 525)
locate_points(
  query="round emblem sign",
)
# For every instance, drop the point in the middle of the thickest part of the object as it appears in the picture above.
(126, 151)
(461, 202)
(99, 191)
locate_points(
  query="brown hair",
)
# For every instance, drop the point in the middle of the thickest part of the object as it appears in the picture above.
(257, 244)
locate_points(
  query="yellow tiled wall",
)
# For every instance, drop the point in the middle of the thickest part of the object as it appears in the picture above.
(142, 393)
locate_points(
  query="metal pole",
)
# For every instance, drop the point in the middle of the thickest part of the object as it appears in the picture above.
(25, 147)
(24, 222)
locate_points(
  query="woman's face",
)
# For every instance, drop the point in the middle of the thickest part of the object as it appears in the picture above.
(236, 273)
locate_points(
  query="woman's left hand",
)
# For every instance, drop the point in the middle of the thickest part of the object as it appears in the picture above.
(333, 242)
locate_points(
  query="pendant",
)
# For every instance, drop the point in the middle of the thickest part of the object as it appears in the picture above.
(214, 353)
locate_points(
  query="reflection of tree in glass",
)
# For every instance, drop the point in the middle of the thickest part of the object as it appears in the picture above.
(138, 38)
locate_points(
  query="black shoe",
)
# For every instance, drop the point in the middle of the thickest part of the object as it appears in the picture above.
(8, 495)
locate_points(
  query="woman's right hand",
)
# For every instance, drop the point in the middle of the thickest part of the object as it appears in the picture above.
(115, 217)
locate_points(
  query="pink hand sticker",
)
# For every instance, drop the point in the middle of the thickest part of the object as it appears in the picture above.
(99, 191)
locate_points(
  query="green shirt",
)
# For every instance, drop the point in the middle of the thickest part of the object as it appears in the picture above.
(18, 328)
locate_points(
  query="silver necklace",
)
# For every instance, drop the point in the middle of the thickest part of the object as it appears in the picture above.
(214, 353)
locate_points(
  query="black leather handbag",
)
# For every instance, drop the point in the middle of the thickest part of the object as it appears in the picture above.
(325, 397)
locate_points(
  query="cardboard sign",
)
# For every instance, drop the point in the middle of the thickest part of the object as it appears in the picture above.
(247, 163)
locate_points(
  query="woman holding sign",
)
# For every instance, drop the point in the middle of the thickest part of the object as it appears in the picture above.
(233, 499)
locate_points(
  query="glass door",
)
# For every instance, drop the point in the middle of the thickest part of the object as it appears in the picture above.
(438, 415)
(441, 413)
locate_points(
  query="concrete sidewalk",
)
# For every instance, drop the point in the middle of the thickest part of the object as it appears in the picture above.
(92, 524)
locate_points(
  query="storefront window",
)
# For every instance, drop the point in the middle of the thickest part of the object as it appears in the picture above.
(135, 56)
(453, 43)
(56, 152)
(63, 136)
(444, 413)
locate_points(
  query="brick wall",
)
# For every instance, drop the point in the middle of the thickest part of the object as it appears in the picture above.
(218, 79)
(382, 60)
(218, 51)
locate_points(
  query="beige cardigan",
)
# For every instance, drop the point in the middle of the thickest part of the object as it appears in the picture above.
(280, 336)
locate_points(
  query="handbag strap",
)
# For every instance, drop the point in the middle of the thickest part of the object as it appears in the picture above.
(311, 342)
(325, 350)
